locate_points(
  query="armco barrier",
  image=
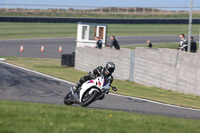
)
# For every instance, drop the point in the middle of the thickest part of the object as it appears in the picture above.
(97, 20)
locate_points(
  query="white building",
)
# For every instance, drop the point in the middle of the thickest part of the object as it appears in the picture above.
(86, 33)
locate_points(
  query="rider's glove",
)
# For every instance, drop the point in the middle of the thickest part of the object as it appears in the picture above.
(114, 88)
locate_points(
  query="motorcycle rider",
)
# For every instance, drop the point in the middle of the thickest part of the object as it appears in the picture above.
(106, 71)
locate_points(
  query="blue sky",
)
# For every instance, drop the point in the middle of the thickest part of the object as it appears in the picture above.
(115, 3)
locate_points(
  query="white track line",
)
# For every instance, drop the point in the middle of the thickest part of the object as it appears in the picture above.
(109, 93)
(37, 73)
(175, 106)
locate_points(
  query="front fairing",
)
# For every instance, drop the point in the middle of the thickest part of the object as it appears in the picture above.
(100, 84)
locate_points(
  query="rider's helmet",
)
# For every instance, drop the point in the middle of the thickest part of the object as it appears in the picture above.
(110, 67)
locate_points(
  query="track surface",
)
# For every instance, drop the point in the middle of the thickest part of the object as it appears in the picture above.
(32, 46)
(18, 84)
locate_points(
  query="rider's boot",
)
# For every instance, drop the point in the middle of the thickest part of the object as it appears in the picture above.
(75, 88)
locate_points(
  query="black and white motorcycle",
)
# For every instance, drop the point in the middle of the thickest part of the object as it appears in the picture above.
(89, 92)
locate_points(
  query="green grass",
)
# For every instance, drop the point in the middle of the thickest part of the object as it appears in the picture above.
(52, 67)
(36, 30)
(158, 45)
(52, 30)
(23, 117)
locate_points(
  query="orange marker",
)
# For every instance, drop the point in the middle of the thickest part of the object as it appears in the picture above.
(42, 48)
(21, 48)
(60, 49)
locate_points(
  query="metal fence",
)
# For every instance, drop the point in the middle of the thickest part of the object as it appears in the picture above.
(94, 9)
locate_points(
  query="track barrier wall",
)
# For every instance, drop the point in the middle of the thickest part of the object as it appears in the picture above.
(164, 68)
(168, 69)
(97, 20)
(88, 58)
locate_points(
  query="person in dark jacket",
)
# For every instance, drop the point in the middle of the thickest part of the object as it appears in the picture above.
(149, 44)
(107, 70)
(114, 43)
(99, 43)
(193, 46)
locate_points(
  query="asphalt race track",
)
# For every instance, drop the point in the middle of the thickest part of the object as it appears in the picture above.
(18, 84)
(22, 85)
(32, 46)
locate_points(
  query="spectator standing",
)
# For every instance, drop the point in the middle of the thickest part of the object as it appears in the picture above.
(183, 45)
(193, 46)
(149, 44)
(114, 43)
(99, 43)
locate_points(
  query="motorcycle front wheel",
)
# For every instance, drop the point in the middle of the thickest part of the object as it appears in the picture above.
(67, 99)
(89, 98)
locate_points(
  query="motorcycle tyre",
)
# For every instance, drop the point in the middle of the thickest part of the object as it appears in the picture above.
(91, 99)
(67, 100)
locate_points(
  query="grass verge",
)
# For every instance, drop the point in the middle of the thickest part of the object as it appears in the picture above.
(159, 45)
(22, 117)
(52, 67)
(52, 30)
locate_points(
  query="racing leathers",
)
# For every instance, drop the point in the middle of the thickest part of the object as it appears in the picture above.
(92, 75)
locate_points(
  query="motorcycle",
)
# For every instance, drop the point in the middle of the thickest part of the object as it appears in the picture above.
(89, 92)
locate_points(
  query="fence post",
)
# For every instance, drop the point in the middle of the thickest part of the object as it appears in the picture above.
(6, 7)
(58, 10)
(31, 8)
(40, 9)
(127, 10)
(144, 10)
(135, 10)
(109, 10)
(131, 78)
(24, 9)
(66, 10)
(15, 8)
(49, 9)
(152, 10)
(118, 9)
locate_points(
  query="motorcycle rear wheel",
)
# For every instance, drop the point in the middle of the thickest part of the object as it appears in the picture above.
(90, 99)
(67, 100)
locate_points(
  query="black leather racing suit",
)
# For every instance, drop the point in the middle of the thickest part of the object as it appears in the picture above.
(92, 75)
